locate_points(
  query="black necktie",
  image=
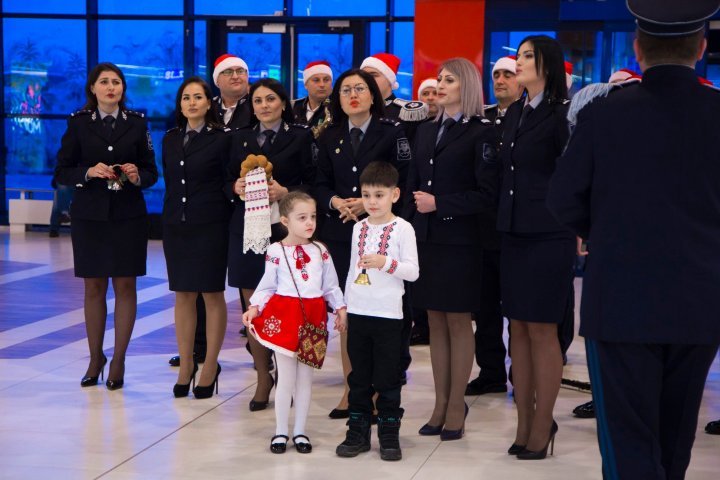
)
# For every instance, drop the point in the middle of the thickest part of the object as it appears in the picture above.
(269, 134)
(109, 122)
(446, 125)
(355, 134)
(188, 138)
(527, 110)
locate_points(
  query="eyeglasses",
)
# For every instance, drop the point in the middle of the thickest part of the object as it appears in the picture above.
(359, 89)
(237, 71)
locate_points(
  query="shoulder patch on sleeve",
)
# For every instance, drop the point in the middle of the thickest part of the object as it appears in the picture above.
(149, 140)
(403, 149)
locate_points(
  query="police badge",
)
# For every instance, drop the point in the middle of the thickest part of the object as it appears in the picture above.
(403, 149)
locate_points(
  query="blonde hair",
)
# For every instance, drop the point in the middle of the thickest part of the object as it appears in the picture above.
(471, 93)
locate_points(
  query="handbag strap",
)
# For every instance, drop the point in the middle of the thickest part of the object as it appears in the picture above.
(302, 306)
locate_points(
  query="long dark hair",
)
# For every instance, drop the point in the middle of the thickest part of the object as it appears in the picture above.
(287, 114)
(376, 109)
(91, 102)
(550, 62)
(211, 116)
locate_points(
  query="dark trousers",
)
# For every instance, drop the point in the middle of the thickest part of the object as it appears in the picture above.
(647, 399)
(200, 347)
(566, 329)
(407, 323)
(489, 324)
(374, 349)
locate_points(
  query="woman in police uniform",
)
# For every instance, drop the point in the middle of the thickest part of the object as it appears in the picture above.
(195, 227)
(106, 153)
(358, 135)
(450, 185)
(288, 147)
(537, 254)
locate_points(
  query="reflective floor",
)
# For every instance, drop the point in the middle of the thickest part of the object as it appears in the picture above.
(52, 428)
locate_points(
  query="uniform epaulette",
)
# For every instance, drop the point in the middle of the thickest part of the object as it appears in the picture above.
(565, 101)
(299, 125)
(490, 107)
(172, 129)
(81, 112)
(478, 118)
(415, 111)
(133, 112)
(389, 121)
(400, 102)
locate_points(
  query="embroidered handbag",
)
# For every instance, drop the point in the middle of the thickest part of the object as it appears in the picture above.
(312, 340)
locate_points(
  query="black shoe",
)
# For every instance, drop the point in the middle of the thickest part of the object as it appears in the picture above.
(337, 413)
(180, 390)
(389, 437)
(175, 361)
(713, 428)
(243, 331)
(54, 234)
(586, 410)
(207, 392)
(430, 430)
(539, 455)
(447, 435)
(89, 381)
(357, 438)
(302, 447)
(115, 384)
(481, 386)
(277, 447)
(515, 449)
(256, 405)
(419, 338)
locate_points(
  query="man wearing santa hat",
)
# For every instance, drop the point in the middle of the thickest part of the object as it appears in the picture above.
(427, 93)
(231, 77)
(384, 67)
(313, 110)
(505, 88)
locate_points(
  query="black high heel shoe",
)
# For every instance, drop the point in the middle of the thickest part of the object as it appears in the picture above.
(515, 449)
(115, 384)
(88, 381)
(257, 405)
(428, 430)
(446, 435)
(180, 390)
(207, 392)
(539, 455)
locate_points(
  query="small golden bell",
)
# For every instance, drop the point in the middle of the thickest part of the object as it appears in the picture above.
(363, 278)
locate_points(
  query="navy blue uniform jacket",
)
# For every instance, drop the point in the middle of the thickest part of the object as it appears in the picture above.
(640, 179)
(195, 177)
(87, 142)
(461, 171)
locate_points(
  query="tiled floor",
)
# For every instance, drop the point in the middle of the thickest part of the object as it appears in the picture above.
(51, 428)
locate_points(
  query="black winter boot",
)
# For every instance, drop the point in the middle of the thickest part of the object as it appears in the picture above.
(357, 438)
(389, 436)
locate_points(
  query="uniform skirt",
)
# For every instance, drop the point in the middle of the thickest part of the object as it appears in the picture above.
(246, 269)
(196, 256)
(278, 327)
(114, 248)
(449, 279)
(536, 275)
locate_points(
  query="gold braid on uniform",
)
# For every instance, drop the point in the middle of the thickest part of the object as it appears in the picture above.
(318, 129)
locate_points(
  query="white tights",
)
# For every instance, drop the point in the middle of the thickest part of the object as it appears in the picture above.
(294, 381)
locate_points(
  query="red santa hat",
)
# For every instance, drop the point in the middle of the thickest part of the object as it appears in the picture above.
(505, 63)
(427, 83)
(623, 75)
(387, 64)
(568, 74)
(226, 61)
(315, 68)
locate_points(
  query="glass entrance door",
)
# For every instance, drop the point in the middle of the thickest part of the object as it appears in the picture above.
(335, 48)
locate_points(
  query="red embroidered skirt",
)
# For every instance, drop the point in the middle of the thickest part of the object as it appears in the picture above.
(278, 326)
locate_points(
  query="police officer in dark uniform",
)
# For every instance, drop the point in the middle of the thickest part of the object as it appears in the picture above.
(233, 110)
(107, 155)
(638, 180)
(314, 110)
(288, 146)
(358, 135)
(489, 323)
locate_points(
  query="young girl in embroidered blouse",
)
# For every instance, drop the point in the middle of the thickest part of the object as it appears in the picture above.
(295, 265)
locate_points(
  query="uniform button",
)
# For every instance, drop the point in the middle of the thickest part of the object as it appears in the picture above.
(184, 199)
(431, 161)
(429, 182)
(110, 148)
(512, 144)
(182, 162)
(498, 121)
(183, 181)
(354, 169)
(511, 192)
(512, 167)
(354, 189)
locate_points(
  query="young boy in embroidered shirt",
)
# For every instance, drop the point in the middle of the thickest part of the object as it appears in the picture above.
(384, 247)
